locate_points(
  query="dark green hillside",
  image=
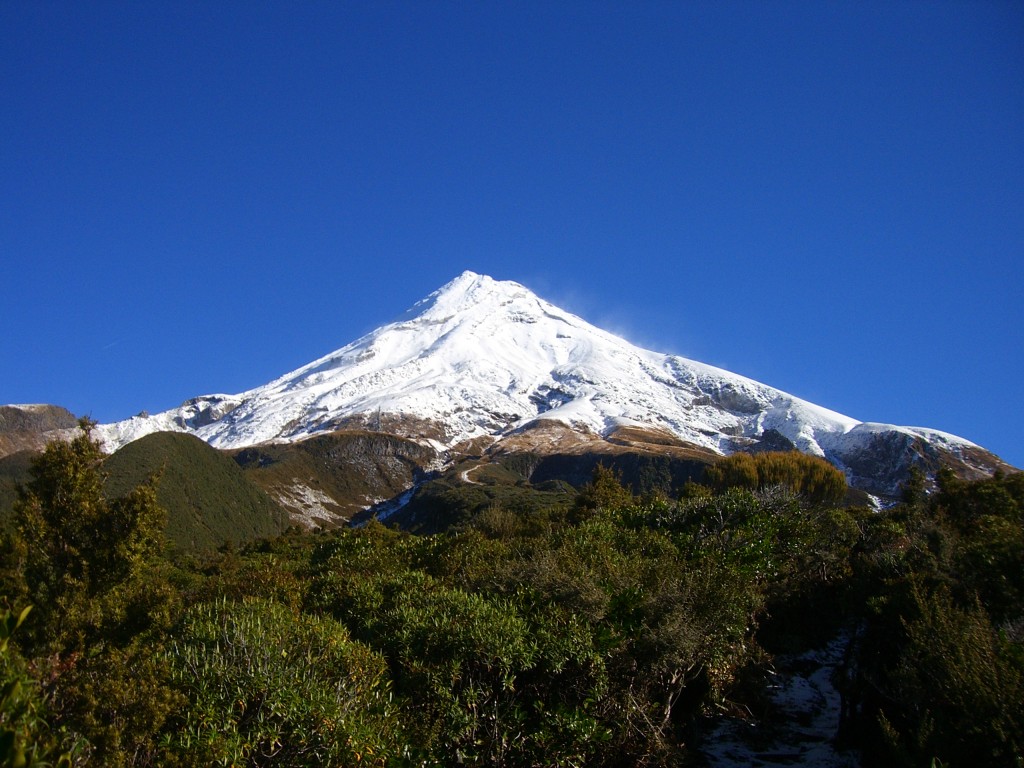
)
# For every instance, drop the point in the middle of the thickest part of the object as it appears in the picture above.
(643, 472)
(208, 498)
(13, 473)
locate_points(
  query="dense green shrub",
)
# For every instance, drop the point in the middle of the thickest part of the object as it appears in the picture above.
(940, 661)
(481, 680)
(26, 735)
(670, 635)
(604, 491)
(268, 687)
(960, 695)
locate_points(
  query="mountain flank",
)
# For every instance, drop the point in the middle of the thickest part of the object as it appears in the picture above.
(325, 480)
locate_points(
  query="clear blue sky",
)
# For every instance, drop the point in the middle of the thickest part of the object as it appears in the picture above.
(824, 196)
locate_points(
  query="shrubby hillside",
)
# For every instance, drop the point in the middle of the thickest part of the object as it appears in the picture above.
(325, 480)
(604, 629)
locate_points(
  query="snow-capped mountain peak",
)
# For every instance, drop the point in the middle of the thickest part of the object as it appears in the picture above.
(485, 358)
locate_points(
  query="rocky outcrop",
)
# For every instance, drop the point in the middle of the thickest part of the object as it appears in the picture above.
(881, 460)
(31, 427)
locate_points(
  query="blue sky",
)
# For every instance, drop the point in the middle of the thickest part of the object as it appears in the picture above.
(826, 197)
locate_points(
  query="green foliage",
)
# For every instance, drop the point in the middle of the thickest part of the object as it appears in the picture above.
(987, 520)
(533, 631)
(914, 492)
(274, 569)
(26, 738)
(270, 687)
(88, 564)
(604, 491)
(14, 472)
(448, 503)
(458, 657)
(668, 634)
(480, 679)
(118, 697)
(790, 554)
(941, 660)
(961, 695)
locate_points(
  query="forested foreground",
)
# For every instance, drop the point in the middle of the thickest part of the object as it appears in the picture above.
(602, 635)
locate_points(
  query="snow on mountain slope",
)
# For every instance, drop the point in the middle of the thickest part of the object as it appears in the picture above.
(481, 357)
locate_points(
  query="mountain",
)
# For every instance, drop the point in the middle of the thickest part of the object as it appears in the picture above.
(482, 365)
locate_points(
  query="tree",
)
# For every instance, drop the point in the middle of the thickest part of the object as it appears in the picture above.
(604, 491)
(77, 547)
(88, 566)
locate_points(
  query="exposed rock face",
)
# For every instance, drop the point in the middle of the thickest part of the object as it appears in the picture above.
(35, 418)
(771, 440)
(883, 460)
(31, 427)
(325, 480)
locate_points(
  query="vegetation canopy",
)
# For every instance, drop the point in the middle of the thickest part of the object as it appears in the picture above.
(604, 631)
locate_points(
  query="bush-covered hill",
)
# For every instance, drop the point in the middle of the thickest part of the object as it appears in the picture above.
(209, 500)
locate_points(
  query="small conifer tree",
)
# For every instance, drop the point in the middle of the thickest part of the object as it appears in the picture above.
(76, 546)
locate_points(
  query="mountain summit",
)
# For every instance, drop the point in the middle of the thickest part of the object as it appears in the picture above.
(481, 359)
